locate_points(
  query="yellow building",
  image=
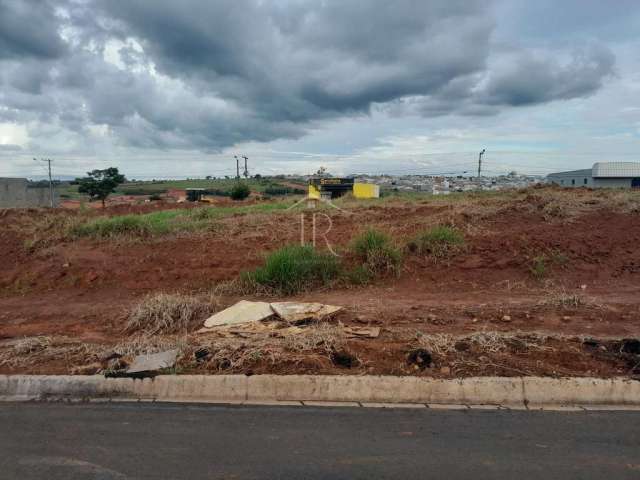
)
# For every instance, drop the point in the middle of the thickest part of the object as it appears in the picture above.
(336, 187)
(366, 190)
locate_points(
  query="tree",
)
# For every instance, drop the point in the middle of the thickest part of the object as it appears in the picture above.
(99, 184)
(240, 191)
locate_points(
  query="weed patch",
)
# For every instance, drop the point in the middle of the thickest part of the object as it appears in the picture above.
(293, 269)
(539, 268)
(163, 222)
(439, 242)
(378, 254)
(167, 313)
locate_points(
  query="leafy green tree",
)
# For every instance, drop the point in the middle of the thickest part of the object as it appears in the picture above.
(99, 184)
(240, 191)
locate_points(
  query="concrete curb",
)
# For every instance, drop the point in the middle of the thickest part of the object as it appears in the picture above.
(513, 392)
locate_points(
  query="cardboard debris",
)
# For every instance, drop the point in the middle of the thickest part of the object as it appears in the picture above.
(362, 332)
(242, 312)
(295, 312)
(153, 362)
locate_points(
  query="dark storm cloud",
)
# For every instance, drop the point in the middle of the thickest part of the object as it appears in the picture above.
(527, 80)
(29, 29)
(200, 74)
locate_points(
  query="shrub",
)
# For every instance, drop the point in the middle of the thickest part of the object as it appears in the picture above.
(377, 253)
(293, 269)
(167, 313)
(240, 191)
(538, 267)
(109, 227)
(438, 242)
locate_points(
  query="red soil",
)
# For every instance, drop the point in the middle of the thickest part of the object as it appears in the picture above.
(82, 288)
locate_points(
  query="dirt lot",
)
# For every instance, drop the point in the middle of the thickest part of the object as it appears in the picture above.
(489, 310)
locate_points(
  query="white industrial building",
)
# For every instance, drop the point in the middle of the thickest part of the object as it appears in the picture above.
(601, 175)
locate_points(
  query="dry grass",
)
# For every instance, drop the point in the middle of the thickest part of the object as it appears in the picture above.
(559, 297)
(29, 345)
(165, 313)
(442, 345)
(319, 341)
(146, 345)
(323, 337)
(41, 350)
(41, 230)
(439, 344)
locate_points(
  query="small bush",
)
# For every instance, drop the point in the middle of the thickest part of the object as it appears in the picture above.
(163, 313)
(538, 267)
(377, 253)
(438, 242)
(293, 269)
(240, 191)
(110, 227)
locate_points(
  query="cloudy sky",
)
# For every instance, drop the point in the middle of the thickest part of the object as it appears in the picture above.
(166, 88)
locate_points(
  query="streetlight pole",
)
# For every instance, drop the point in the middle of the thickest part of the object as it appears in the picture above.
(480, 162)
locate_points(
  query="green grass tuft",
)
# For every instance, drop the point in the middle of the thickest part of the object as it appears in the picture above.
(164, 222)
(538, 267)
(438, 242)
(378, 254)
(293, 269)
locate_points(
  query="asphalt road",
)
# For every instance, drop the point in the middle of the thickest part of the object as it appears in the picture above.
(161, 441)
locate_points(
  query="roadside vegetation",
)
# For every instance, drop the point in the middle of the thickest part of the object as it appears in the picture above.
(165, 313)
(240, 191)
(270, 186)
(542, 264)
(440, 242)
(377, 255)
(293, 269)
(163, 222)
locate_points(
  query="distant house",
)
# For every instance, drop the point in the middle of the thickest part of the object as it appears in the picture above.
(601, 175)
(19, 193)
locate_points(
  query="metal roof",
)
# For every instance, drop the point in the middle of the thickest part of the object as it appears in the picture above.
(616, 169)
(572, 173)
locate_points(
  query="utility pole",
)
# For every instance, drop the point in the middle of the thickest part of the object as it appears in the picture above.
(237, 166)
(246, 172)
(48, 160)
(480, 162)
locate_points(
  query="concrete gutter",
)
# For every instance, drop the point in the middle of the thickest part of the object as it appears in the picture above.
(510, 392)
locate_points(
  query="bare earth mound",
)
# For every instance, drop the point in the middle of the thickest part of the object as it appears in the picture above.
(547, 283)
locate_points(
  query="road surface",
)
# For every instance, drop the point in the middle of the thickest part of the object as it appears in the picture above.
(170, 441)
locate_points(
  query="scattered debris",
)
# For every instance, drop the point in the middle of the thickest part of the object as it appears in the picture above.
(242, 312)
(362, 332)
(201, 354)
(631, 345)
(420, 358)
(247, 317)
(344, 358)
(90, 369)
(295, 312)
(153, 362)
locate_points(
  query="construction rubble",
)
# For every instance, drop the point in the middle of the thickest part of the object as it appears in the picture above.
(246, 318)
